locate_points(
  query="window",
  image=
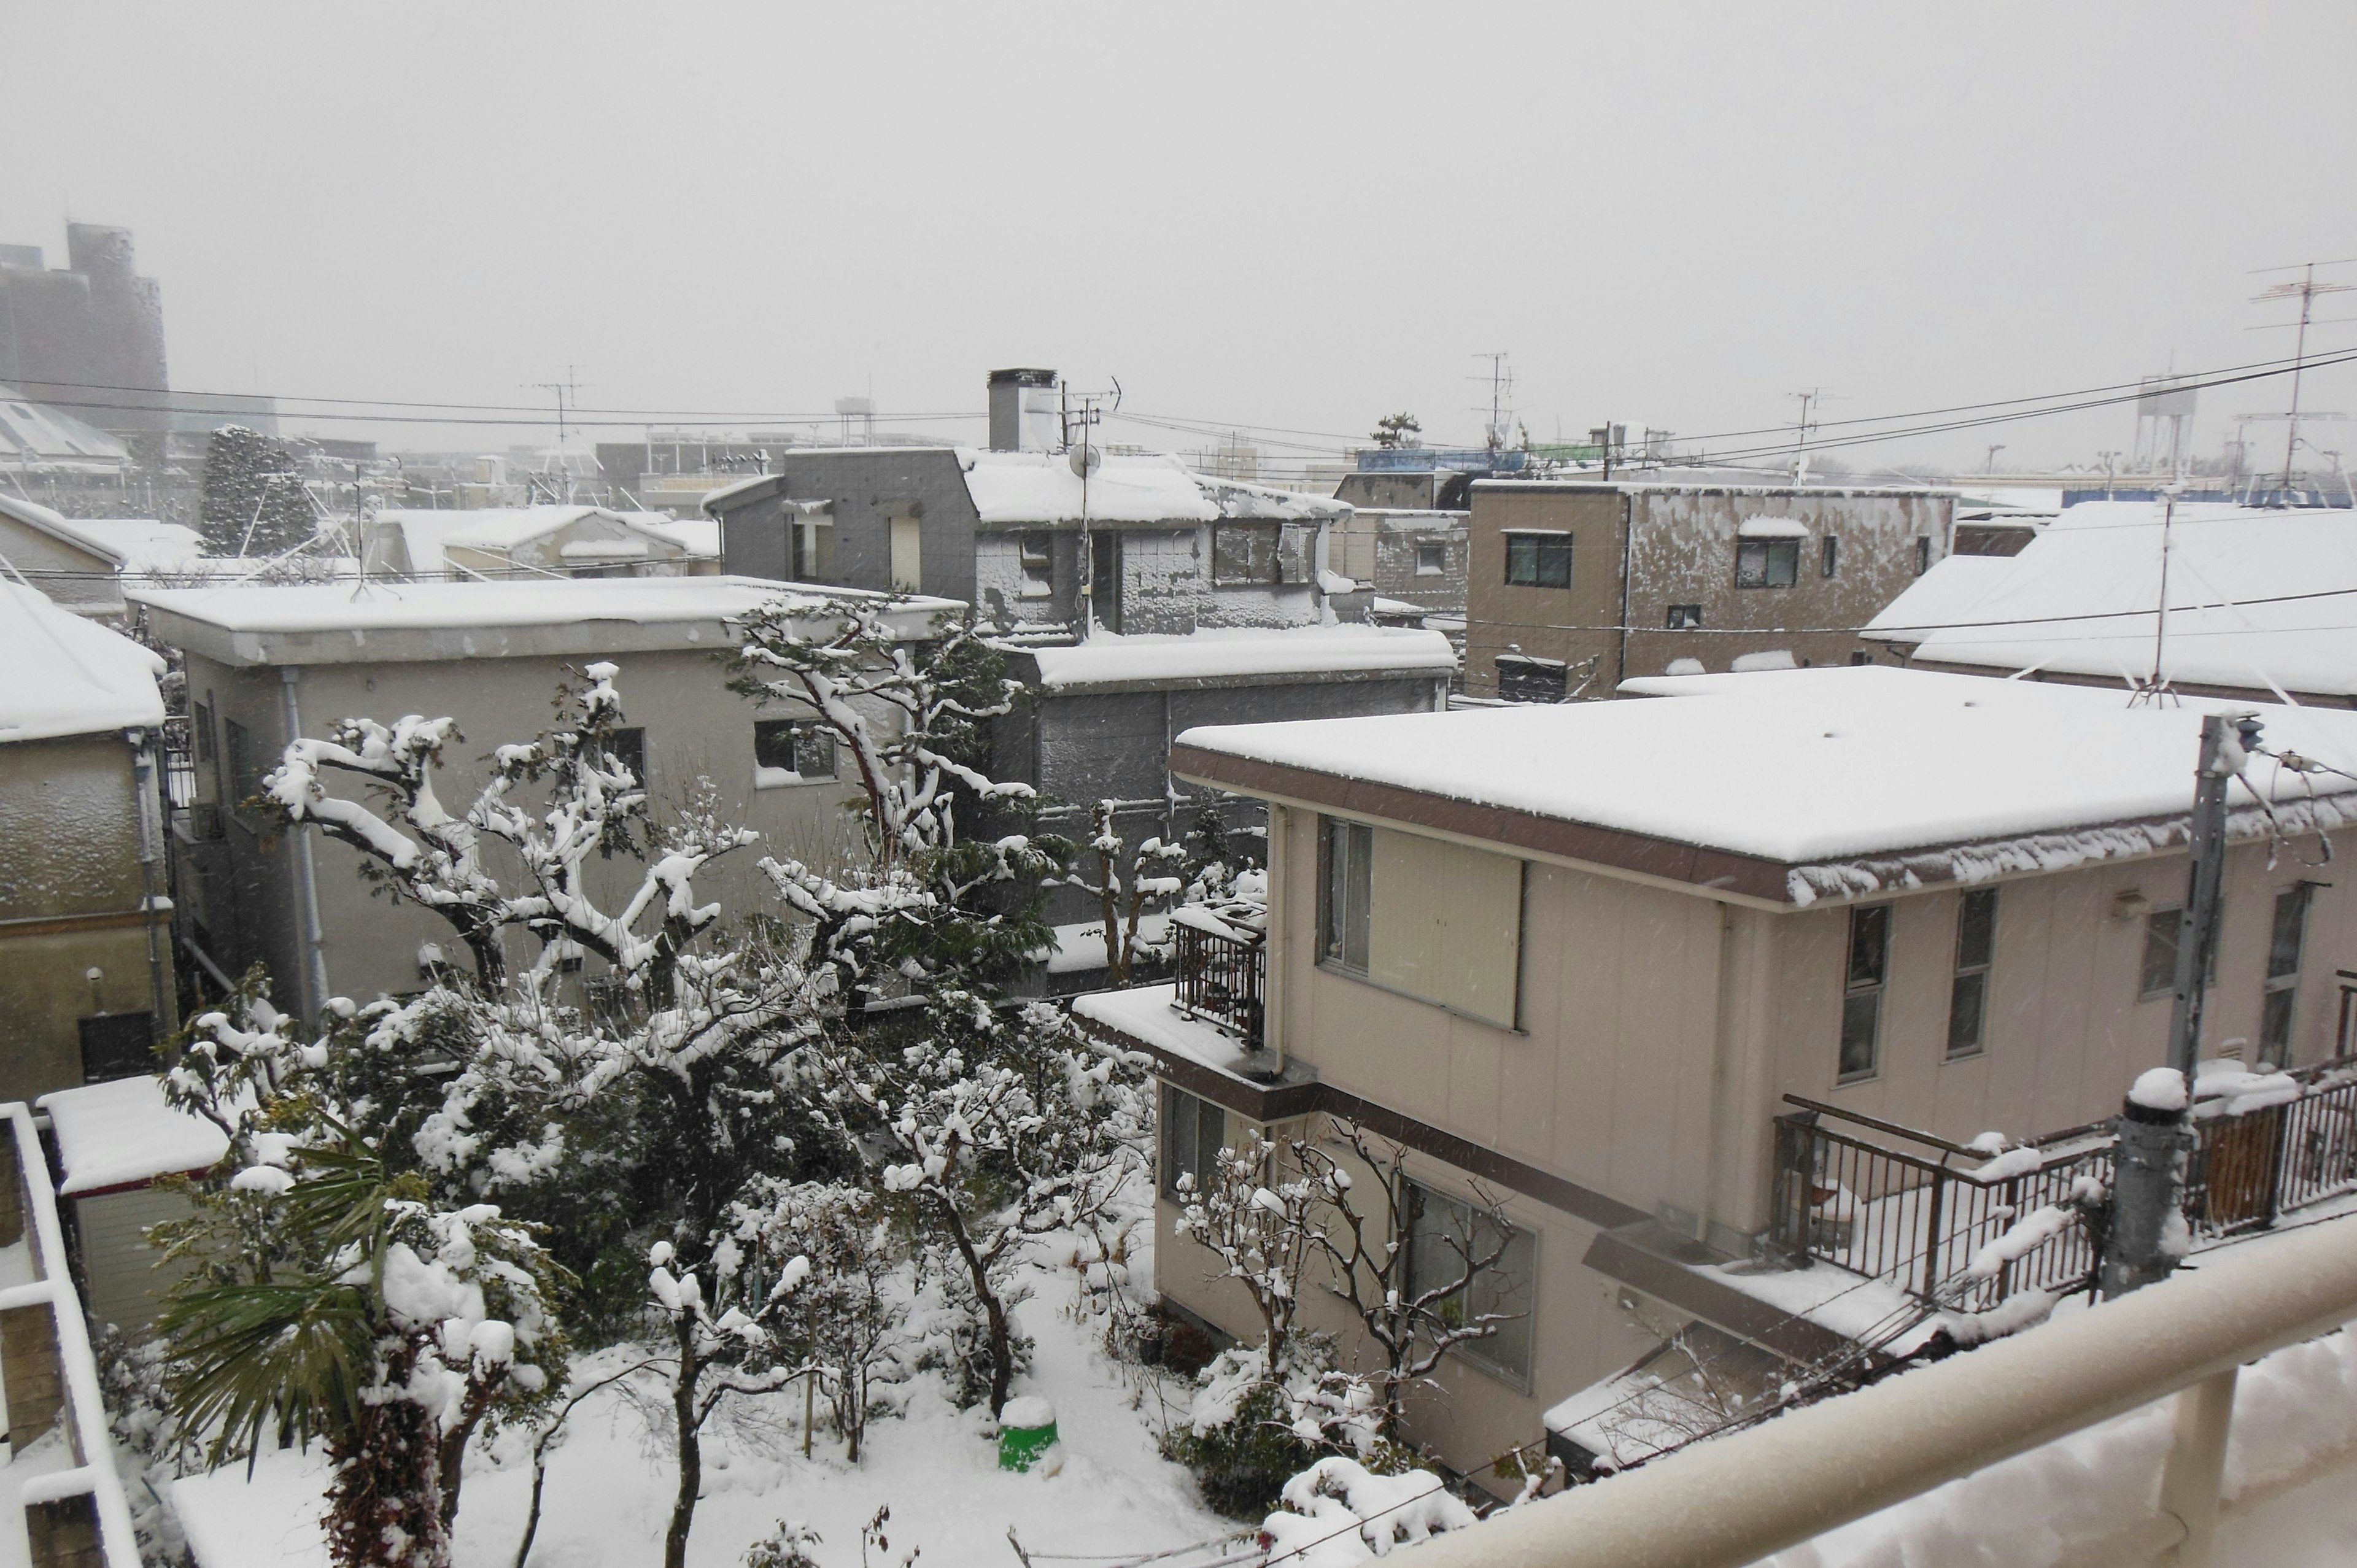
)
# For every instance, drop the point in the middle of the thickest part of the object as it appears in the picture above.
(2161, 931)
(1349, 851)
(1244, 552)
(1193, 1133)
(1968, 994)
(201, 722)
(1445, 1238)
(1767, 562)
(1038, 551)
(1538, 560)
(908, 555)
(117, 1044)
(1521, 680)
(244, 768)
(791, 751)
(1831, 562)
(1923, 556)
(1436, 921)
(1861, 657)
(629, 747)
(1682, 616)
(1870, 966)
(2285, 937)
(1104, 580)
(1431, 559)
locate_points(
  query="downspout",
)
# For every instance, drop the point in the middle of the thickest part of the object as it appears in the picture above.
(307, 880)
(1722, 1058)
(1628, 564)
(143, 776)
(1273, 944)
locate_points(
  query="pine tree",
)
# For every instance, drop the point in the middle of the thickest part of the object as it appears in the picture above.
(1399, 430)
(253, 502)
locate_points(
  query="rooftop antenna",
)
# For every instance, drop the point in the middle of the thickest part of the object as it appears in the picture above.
(1502, 394)
(1811, 402)
(1085, 410)
(568, 387)
(2304, 291)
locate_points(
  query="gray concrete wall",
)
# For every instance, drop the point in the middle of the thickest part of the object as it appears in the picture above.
(77, 579)
(867, 487)
(696, 729)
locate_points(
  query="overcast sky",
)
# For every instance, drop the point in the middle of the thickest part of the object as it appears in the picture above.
(1288, 215)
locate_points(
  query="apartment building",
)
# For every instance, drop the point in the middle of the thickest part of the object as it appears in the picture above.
(1578, 585)
(1644, 968)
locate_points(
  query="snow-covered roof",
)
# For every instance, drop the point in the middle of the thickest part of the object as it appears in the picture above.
(1041, 487)
(2260, 598)
(41, 519)
(697, 535)
(1790, 767)
(60, 674)
(1236, 653)
(122, 1133)
(427, 535)
(1765, 527)
(35, 435)
(146, 545)
(1145, 1013)
(722, 493)
(552, 601)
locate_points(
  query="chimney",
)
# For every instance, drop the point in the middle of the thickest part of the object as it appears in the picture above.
(1026, 411)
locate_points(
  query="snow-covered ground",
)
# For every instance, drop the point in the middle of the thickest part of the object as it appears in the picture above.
(609, 1488)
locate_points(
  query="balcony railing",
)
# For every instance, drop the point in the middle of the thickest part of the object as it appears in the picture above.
(1221, 977)
(1915, 1210)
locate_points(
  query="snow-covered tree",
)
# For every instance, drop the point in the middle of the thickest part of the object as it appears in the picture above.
(1264, 1228)
(1126, 884)
(253, 502)
(1339, 1514)
(848, 1318)
(1396, 430)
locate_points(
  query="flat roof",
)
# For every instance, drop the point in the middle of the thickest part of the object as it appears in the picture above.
(1789, 786)
(1241, 654)
(350, 622)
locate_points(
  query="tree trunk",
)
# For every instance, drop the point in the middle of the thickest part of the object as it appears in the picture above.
(1002, 1339)
(384, 1502)
(690, 1451)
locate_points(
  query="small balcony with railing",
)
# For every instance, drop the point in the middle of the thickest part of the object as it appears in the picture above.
(1945, 1222)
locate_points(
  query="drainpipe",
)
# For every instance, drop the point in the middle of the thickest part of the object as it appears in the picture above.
(151, 849)
(307, 880)
(1628, 565)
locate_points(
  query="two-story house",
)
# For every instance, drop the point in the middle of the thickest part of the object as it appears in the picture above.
(86, 978)
(1586, 956)
(266, 665)
(1578, 585)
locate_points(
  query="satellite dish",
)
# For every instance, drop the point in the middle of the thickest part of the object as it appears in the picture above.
(1086, 459)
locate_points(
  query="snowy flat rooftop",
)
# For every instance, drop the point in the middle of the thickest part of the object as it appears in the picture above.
(61, 675)
(1145, 1014)
(2258, 597)
(1041, 487)
(121, 1134)
(1788, 766)
(1243, 654)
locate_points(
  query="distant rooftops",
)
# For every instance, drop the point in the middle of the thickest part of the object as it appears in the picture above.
(1788, 786)
(1240, 656)
(356, 623)
(2260, 599)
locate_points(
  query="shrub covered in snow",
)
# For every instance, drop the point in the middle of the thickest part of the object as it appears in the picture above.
(1338, 1514)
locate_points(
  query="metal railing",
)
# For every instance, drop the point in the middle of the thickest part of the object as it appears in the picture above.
(1221, 977)
(1914, 1208)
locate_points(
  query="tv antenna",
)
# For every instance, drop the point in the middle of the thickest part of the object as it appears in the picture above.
(2304, 291)
(568, 386)
(1084, 411)
(1501, 398)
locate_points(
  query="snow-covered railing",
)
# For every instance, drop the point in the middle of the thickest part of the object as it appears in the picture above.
(1222, 978)
(1738, 1498)
(1862, 1198)
(80, 1413)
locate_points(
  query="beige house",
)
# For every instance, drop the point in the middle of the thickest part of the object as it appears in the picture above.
(86, 985)
(266, 665)
(1580, 956)
(1578, 585)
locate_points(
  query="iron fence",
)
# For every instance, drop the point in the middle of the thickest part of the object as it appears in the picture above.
(1916, 1210)
(1220, 978)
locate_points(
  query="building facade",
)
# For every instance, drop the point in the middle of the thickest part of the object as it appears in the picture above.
(1575, 586)
(1558, 969)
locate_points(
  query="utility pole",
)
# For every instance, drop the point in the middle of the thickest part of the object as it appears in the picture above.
(1995, 447)
(2160, 615)
(1082, 411)
(2155, 1127)
(562, 453)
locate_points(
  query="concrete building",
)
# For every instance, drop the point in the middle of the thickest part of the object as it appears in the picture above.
(1575, 586)
(1581, 955)
(2257, 599)
(77, 336)
(1409, 565)
(267, 664)
(86, 984)
(77, 568)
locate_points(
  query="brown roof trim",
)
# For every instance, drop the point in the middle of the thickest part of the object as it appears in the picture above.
(1755, 877)
(1306, 1096)
(58, 925)
(1647, 1258)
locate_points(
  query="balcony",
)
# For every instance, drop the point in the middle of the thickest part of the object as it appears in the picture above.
(1221, 973)
(1903, 1205)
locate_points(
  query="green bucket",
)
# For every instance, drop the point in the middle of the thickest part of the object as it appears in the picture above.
(1027, 1429)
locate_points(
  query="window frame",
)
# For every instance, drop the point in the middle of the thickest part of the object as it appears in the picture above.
(2279, 988)
(627, 745)
(1260, 566)
(798, 732)
(1681, 618)
(1831, 562)
(1862, 995)
(1422, 1197)
(1923, 554)
(1183, 1113)
(1035, 555)
(1772, 555)
(1973, 970)
(1534, 667)
(1539, 552)
(2167, 986)
(1352, 885)
(1436, 551)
